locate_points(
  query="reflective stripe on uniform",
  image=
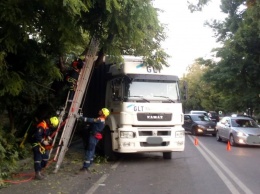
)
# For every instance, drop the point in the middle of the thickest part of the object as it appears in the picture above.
(35, 144)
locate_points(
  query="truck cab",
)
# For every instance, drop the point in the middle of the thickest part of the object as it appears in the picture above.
(146, 110)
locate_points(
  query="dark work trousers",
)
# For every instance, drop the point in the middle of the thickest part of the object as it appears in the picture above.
(40, 160)
(89, 156)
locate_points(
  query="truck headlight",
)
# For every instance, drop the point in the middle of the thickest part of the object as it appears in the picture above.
(179, 134)
(127, 134)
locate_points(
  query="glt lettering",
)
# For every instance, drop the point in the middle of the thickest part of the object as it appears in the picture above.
(152, 69)
(138, 108)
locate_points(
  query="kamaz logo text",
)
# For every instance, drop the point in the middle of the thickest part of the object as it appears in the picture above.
(154, 117)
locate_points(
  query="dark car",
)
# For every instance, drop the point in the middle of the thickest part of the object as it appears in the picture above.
(213, 116)
(199, 124)
(199, 112)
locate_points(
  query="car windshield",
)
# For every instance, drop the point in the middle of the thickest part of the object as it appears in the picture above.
(200, 118)
(248, 123)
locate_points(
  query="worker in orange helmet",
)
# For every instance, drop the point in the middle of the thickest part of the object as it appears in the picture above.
(96, 127)
(40, 140)
(72, 80)
(73, 75)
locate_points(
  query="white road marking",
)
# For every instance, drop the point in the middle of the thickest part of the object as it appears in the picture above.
(101, 180)
(225, 179)
(212, 162)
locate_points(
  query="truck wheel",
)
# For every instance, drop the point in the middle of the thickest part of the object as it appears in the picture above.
(108, 152)
(167, 155)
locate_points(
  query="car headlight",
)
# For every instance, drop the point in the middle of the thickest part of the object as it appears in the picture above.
(201, 126)
(241, 134)
(127, 134)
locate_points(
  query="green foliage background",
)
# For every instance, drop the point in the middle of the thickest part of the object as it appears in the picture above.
(40, 39)
(231, 83)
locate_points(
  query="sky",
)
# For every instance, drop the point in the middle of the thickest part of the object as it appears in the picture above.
(188, 38)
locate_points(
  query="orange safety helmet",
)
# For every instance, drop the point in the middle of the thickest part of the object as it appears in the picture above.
(74, 64)
(77, 64)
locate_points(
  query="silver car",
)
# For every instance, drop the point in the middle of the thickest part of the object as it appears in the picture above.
(238, 130)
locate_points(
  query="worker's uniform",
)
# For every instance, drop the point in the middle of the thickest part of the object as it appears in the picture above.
(96, 127)
(73, 76)
(72, 80)
(40, 154)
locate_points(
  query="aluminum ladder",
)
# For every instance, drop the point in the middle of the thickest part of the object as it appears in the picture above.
(70, 121)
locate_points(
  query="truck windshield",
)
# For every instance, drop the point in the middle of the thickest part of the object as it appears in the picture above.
(167, 91)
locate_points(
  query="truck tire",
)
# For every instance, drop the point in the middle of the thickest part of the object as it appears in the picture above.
(167, 155)
(108, 152)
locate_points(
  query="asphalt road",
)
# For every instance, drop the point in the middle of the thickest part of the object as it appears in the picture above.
(204, 168)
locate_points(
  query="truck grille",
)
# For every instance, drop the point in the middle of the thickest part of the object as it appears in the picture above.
(151, 133)
(154, 116)
(163, 144)
(154, 136)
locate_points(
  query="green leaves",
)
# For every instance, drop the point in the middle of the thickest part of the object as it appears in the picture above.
(8, 154)
(38, 39)
(126, 27)
(11, 83)
(235, 77)
(76, 6)
(198, 6)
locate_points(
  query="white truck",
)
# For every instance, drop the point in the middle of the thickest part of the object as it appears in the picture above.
(146, 110)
